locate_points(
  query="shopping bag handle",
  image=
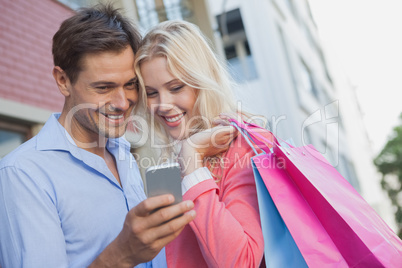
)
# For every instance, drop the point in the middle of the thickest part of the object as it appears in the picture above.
(247, 137)
(258, 136)
(255, 135)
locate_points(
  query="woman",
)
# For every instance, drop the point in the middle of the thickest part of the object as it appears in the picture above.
(183, 89)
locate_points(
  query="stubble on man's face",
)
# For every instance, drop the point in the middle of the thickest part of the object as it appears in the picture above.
(103, 97)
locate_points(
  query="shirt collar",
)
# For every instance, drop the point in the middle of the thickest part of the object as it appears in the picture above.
(54, 136)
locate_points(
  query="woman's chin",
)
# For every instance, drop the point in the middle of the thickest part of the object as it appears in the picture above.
(178, 136)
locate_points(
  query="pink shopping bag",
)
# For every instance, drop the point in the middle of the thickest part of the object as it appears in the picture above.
(331, 224)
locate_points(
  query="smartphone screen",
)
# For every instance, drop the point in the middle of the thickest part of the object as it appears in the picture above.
(164, 179)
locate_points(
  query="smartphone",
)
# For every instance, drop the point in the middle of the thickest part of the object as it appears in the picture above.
(164, 179)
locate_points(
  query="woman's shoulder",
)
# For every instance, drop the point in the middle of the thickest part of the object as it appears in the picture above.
(239, 146)
(238, 151)
(235, 162)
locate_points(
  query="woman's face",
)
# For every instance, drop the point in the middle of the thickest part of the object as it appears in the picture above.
(169, 100)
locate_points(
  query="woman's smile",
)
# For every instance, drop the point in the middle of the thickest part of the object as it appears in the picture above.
(168, 97)
(173, 121)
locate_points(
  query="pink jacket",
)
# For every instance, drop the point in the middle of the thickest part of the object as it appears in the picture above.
(227, 230)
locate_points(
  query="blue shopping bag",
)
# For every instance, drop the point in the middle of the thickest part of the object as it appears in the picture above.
(280, 249)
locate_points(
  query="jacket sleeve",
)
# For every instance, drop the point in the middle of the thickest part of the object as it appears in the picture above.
(227, 225)
(30, 229)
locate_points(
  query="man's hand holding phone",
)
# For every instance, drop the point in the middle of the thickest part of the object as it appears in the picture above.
(149, 226)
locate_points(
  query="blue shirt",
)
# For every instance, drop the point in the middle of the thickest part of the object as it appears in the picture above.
(60, 205)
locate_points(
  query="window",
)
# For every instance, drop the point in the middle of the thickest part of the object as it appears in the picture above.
(306, 79)
(347, 170)
(74, 4)
(309, 36)
(309, 11)
(177, 9)
(288, 61)
(11, 136)
(237, 50)
(147, 13)
(292, 8)
(324, 65)
(151, 12)
(306, 137)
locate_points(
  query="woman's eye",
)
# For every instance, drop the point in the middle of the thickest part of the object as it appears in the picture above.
(151, 93)
(177, 88)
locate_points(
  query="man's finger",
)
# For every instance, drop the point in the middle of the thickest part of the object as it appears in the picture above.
(166, 214)
(169, 230)
(144, 208)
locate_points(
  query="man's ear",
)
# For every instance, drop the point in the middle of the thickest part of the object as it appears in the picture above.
(62, 81)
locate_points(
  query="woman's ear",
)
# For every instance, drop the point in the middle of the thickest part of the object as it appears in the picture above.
(62, 81)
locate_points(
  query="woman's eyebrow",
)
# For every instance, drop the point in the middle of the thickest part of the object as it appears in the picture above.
(171, 82)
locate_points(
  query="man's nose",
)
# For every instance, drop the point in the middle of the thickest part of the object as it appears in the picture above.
(120, 99)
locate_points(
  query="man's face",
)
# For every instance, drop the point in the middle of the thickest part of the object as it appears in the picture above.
(102, 99)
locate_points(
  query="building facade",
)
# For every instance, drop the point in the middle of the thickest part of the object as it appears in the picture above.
(284, 73)
(28, 93)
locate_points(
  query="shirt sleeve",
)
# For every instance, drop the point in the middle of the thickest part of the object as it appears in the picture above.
(192, 179)
(227, 225)
(30, 232)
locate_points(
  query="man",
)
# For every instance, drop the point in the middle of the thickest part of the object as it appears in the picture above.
(72, 196)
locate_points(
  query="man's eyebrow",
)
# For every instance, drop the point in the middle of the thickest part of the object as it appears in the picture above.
(108, 83)
(134, 79)
(103, 83)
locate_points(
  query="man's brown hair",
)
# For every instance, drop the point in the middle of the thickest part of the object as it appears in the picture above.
(92, 30)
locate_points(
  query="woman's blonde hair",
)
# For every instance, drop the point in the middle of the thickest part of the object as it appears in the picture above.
(191, 60)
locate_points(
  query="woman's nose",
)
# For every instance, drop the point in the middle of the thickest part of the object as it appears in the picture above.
(165, 102)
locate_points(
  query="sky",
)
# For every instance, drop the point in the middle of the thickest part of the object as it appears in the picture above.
(365, 36)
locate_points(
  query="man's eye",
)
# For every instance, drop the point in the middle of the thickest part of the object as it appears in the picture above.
(131, 85)
(102, 87)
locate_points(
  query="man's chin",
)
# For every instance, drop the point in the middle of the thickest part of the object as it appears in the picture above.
(113, 133)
